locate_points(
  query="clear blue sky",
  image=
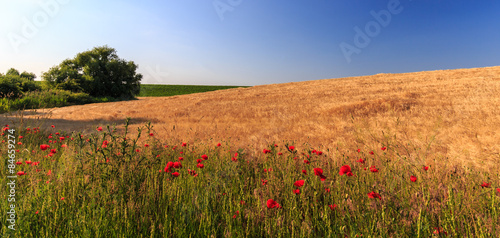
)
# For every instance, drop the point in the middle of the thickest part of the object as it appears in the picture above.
(254, 42)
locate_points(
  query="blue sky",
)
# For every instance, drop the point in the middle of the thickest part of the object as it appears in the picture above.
(254, 42)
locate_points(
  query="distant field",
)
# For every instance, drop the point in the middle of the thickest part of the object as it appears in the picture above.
(154, 90)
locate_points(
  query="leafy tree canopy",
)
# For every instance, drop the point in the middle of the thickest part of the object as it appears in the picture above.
(98, 72)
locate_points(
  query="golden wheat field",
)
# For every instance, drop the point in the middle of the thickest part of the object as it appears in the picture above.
(453, 115)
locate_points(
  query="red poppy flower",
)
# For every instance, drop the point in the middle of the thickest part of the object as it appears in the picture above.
(373, 169)
(53, 151)
(184, 144)
(498, 189)
(361, 161)
(53, 126)
(279, 153)
(62, 198)
(371, 152)
(383, 148)
(28, 161)
(201, 166)
(19, 163)
(146, 145)
(151, 134)
(291, 147)
(21, 173)
(264, 182)
(374, 195)
(137, 150)
(345, 169)
(272, 204)
(296, 191)
(63, 145)
(299, 183)
(265, 151)
(485, 185)
(304, 171)
(319, 152)
(177, 165)
(175, 174)
(199, 161)
(99, 128)
(318, 171)
(359, 150)
(306, 161)
(413, 178)
(327, 190)
(440, 231)
(275, 145)
(322, 177)
(332, 207)
(234, 159)
(44, 147)
(204, 157)
(426, 168)
(218, 144)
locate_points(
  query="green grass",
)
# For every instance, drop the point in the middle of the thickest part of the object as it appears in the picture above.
(122, 190)
(154, 90)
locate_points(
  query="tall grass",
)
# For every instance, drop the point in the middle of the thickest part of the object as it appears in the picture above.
(119, 188)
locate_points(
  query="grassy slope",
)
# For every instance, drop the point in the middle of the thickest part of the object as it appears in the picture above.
(154, 90)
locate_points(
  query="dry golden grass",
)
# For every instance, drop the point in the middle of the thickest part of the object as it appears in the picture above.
(457, 112)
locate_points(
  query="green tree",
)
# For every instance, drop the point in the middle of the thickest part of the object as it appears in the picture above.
(98, 72)
(13, 72)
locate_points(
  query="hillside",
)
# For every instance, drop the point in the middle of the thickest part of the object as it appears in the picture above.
(456, 112)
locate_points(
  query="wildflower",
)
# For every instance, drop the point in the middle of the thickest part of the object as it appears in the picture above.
(498, 190)
(272, 204)
(201, 166)
(237, 213)
(426, 168)
(36, 212)
(306, 161)
(264, 182)
(296, 191)
(373, 169)
(359, 150)
(304, 171)
(265, 151)
(151, 134)
(63, 145)
(199, 161)
(291, 147)
(204, 157)
(345, 169)
(485, 185)
(371, 152)
(180, 158)
(62, 198)
(319, 152)
(327, 190)
(219, 144)
(175, 174)
(374, 195)
(242, 202)
(99, 128)
(279, 153)
(53, 126)
(184, 144)
(234, 159)
(318, 171)
(299, 183)
(275, 145)
(332, 207)
(105, 144)
(19, 163)
(146, 145)
(62, 138)
(177, 165)
(44, 147)
(383, 148)
(439, 231)
(21, 173)
(28, 162)
(361, 161)
(53, 151)
(137, 150)
(413, 178)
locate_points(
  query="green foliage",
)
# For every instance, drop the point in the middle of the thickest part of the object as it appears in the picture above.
(48, 99)
(98, 72)
(154, 90)
(13, 84)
